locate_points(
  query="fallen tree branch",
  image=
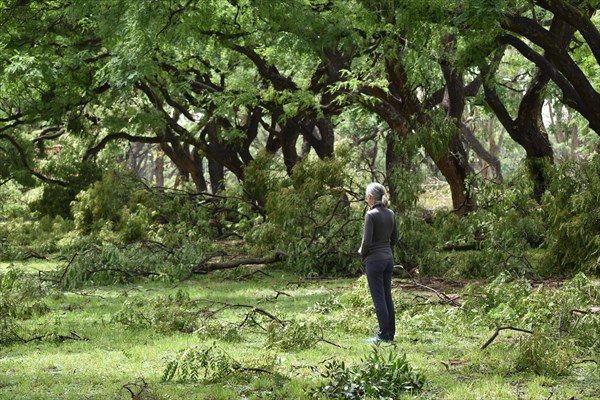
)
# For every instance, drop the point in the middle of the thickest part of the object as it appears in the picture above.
(125, 272)
(279, 292)
(249, 369)
(444, 298)
(502, 328)
(140, 386)
(586, 312)
(256, 272)
(583, 362)
(255, 310)
(73, 336)
(62, 276)
(331, 343)
(206, 267)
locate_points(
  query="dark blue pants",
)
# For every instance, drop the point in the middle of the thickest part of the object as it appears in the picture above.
(379, 276)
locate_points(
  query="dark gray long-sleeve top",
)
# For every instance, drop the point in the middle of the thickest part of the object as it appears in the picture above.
(380, 233)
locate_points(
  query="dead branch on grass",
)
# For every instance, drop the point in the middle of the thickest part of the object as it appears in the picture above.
(72, 336)
(502, 328)
(444, 298)
(254, 310)
(331, 343)
(256, 272)
(583, 362)
(314, 368)
(206, 267)
(250, 369)
(139, 386)
(280, 293)
(586, 312)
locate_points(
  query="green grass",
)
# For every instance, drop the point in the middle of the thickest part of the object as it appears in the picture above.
(30, 265)
(435, 338)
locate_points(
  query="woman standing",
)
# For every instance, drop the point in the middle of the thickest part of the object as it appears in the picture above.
(379, 236)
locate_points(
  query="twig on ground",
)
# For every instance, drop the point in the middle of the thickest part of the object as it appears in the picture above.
(445, 299)
(583, 362)
(502, 328)
(256, 272)
(264, 371)
(140, 385)
(279, 292)
(73, 336)
(332, 343)
(255, 310)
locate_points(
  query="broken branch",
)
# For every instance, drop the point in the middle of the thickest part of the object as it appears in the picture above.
(502, 328)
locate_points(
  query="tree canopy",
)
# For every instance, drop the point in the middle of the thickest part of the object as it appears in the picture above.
(205, 91)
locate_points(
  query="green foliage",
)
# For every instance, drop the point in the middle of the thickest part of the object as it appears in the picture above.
(381, 375)
(311, 219)
(293, 336)
(213, 329)
(515, 302)
(210, 364)
(102, 205)
(119, 208)
(110, 264)
(358, 297)
(499, 236)
(23, 236)
(198, 364)
(56, 200)
(263, 176)
(325, 306)
(543, 355)
(171, 313)
(20, 300)
(416, 241)
(351, 311)
(23, 232)
(574, 219)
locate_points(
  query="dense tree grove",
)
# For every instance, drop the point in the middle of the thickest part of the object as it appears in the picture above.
(179, 122)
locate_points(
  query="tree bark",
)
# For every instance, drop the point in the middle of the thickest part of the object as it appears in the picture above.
(527, 128)
(216, 173)
(159, 168)
(481, 152)
(188, 162)
(556, 62)
(455, 164)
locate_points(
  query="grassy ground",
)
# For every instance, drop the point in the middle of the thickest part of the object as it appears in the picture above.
(117, 360)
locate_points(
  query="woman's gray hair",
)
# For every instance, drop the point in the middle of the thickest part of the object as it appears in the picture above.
(378, 192)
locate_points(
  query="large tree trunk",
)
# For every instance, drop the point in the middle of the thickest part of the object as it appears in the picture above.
(133, 156)
(578, 90)
(159, 168)
(454, 165)
(288, 139)
(216, 173)
(399, 166)
(528, 128)
(187, 161)
(482, 153)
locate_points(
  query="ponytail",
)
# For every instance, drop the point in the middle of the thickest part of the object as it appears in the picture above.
(378, 192)
(384, 201)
